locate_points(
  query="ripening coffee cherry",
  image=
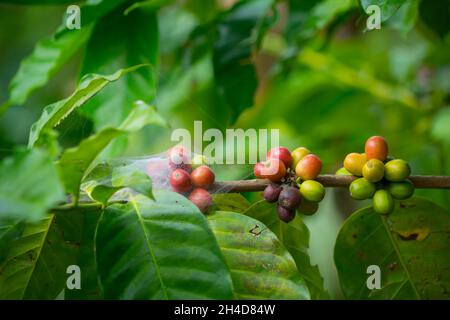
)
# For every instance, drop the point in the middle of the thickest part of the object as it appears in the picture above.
(272, 192)
(373, 170)
(203, 177)
(273, 169)
(282, 154)
(308, 208)
(401, 190)
(361, 189)
(180, 180)
(309, 167)
(312, 191)
(343, 172)
(376, 148)
(201, 198)
(257, 170)
(285, 214)
(289, 198)
(354, 163)
(179, 158)
(297, 155)
(396, 170)
(383, 202)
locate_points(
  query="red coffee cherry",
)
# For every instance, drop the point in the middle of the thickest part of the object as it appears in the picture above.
(376, 148)
(201, 198)
(309, 167)
(202, 177)
(282, 154)
(179, 158)
(180, 180)
(273, 169)
(257, 170)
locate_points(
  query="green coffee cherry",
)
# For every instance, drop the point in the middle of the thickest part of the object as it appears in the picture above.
(396, 170)
(401, 190)
(308, 208)
(373, 170)
(383, 203)
(343, 172)
(361, 189)
(312, 191)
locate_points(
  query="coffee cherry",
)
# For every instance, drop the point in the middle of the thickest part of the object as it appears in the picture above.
(397, 170)
(289, 198)
(297, 155)
(354, 163)
(343, 172)
(179, 158)
(308, 208)
(376, 148)
(383, 202)
(203, 177)
(312, 191)
(373, 170)
(272, 192)
(273, 169)
(285, 214)
(309, 167)
(257, 170)
(180, 180)
(282, 154)
(201, 198)
(401, 190)
(361, 189)
(198, 160)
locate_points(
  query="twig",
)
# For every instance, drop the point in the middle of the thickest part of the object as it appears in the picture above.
(328, 180)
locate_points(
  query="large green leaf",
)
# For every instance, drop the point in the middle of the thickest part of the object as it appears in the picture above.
(37, 2)
(234, 202)
(74, 162)
(234, 72)
(410, 246)
(260, 266)
(159, 249)
(119, 41)
(29, 185)
(90, 85)
(52, 53)
(387, 7)
(36, 262)
(295, 237)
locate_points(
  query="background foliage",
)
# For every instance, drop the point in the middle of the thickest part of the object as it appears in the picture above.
(308, 68)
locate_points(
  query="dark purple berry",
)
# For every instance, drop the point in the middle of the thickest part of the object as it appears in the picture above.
(272, 192)
(289, 198)
(285, 215)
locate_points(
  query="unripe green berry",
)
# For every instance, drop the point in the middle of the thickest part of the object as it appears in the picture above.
(308, 208)
(361, 189)
(312, 191)
(343, 172)
(383, 203)
(373, 170)
(397, 170)
(401, 190)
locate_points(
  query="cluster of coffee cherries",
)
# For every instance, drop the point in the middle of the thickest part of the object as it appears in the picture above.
(293, 186)
(190, 178)
(382, 178)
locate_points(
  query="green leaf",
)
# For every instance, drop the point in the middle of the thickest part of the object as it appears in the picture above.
(10, 229)
(130, 40)
(36, 263)
(37, 2)
(29, 185)
(260, 266)
(405, 18)
(295, 237)
(387, 7)
(233, 70)
(234, 202)
(74, 162)
(440, 126)
(126, 176)
(52, 53)
(159, 250)
(53, 114)
(410, 246)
